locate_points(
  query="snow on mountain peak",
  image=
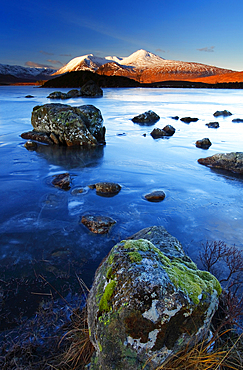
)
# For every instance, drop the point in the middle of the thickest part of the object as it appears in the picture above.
(142, 58)
(87, 62)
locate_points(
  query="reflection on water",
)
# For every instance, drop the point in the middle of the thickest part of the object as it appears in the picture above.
(69, 157)
(40, 230)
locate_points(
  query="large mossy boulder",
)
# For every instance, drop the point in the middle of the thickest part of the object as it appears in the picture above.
(227, 161)
(148, 301)
(66, 125)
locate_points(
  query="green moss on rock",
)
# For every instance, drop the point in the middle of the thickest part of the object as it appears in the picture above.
(104, 305)
(135, 257)
(184, 274)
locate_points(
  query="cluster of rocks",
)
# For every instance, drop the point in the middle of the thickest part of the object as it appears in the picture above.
(150, 118)
(98, 223)
(89, 89)
(148, 302)
(62, 124)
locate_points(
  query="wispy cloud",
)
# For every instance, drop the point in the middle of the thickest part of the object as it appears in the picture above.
(65, 55)
(207, 49)
(45, 52)
(160, 50)
(54, 62)
(37, 65)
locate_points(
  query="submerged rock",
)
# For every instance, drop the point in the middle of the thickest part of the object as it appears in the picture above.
(146, 118)
(30, 145)
(62, 181)
(204, 143)
(155, 196)
(212, 124)
(224, 113)
(62, 124)
(147, 303)
(189, 119)
(98, 224)
(227, 161)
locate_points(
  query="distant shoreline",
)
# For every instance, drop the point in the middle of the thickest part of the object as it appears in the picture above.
(116, 82)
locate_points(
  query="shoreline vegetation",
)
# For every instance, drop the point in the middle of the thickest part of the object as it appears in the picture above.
(79, 78)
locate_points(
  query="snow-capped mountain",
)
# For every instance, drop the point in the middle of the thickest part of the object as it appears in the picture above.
(142, 66)
(86, 62)
(25, 73)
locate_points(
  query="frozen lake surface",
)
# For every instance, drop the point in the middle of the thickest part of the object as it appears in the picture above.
(40, 230)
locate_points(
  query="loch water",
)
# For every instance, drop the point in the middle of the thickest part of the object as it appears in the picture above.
(43, 246)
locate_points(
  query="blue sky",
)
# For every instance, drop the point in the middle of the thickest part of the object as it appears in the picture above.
(52, 32)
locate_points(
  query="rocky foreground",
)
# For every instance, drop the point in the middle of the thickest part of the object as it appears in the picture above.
(148, 301)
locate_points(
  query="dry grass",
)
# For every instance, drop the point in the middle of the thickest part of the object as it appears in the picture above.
(79, 349)
(203, 357)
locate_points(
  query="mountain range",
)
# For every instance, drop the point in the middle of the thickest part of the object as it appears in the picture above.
(146, 67)
(17, 74)
(141, 66)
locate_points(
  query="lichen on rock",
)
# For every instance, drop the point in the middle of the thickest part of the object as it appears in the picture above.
(145, 304)
(227, 161)
(66, 125)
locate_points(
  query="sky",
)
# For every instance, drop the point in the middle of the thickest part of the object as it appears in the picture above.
(51, 33)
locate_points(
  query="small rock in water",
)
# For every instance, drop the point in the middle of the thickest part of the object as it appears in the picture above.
(224, 113)
(204, 143)
(237, 120)
(57, 95)
(212, 124)
(170, 130)
(62, 181)
(155, 196)
(30, 145)
(157, 133)
(98, 224)
(91, 89)
(146, 118)
(175, 117)
(29, 96)
(107, 189)
(189, 119)
(166, 131)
